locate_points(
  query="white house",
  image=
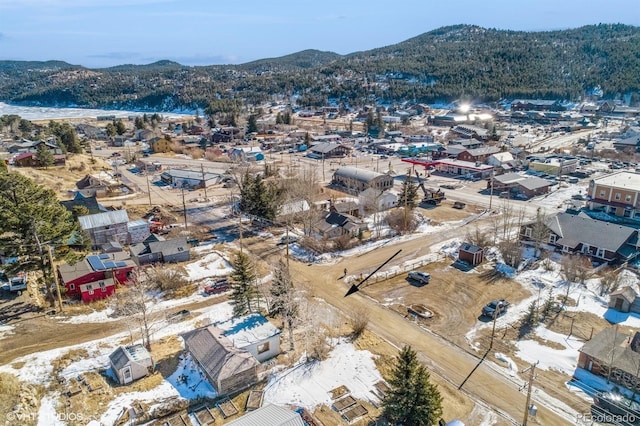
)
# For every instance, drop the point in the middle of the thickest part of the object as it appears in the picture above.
(253, 333)
(130, 363)
(372, 200)
(499, 158)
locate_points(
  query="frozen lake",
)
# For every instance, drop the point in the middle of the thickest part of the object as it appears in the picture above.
(48, 113)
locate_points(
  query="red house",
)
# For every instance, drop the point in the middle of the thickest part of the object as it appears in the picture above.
(96, 276)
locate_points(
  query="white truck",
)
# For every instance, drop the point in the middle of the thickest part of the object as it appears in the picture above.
(18, 284)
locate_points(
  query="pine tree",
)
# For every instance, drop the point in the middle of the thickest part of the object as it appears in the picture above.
(283, 300)
(244, 291)
(139, 123)
(44, 156)
(413, 399)
(252, 124)
(409, 193)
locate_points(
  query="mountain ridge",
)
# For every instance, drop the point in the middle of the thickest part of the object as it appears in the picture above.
(442, 64)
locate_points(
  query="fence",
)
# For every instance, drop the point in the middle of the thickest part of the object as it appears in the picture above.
(397, 270)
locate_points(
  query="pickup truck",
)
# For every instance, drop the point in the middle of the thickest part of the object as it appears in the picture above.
(16, 284)
(217, 287)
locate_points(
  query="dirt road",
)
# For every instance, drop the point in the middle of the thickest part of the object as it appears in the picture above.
(443, 358)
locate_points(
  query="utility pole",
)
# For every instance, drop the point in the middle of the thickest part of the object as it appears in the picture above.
(55, 277)
(146, 173)
(184, 207)
(204, 181)
(491, 191)
(41, 253)
(532, 377)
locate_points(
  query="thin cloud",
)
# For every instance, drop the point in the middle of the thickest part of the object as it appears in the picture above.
(2, 36)
(25, 4)
(115, 55)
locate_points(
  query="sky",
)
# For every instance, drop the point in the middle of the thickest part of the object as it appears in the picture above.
(102, 33)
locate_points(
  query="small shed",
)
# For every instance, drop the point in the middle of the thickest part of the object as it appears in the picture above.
(130, 363)
(471, 254)
(624, 300)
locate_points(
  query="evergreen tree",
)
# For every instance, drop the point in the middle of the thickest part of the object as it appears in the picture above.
(3, 167)
(413, 399)
(283, 300)
(257, 198)
(252, 124)
(409, 193)
(30, 214)
(111, 129)
(139, 123)
(279, 118)
(44, 156)
(244, 291)
(120, 127)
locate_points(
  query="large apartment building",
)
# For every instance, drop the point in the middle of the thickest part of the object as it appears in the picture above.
(617, 193)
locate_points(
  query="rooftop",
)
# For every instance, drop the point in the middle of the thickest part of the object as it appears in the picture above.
(247, 330)
(627, 180)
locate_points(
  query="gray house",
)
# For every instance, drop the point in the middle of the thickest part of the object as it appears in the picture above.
(355, 180)
(156, 249)
(579, 234)
(130, 363)
(228, 369)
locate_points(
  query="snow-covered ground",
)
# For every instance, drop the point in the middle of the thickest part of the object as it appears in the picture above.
(307, 384)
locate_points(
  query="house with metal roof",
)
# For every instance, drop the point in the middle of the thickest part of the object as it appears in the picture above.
(614, 355)
(130, 363)
(189, 178)
(272, 415)
(580, 234)
(227, 368)
(355, 180)
(105, 227)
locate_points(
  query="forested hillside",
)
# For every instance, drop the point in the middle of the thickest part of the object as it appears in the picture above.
(441, 65)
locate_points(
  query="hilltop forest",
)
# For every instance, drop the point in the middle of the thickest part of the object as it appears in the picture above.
(438, 66)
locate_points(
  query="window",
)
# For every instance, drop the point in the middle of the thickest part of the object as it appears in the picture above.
(127, 373)
(600, 253)
(585, 248)
(264, 347)
(180, 248)
(565, 249)
(602, 193)
(627, 198)
(553, 238)
(90, 291)
(527, 232)
(72, 287)
(618, 197)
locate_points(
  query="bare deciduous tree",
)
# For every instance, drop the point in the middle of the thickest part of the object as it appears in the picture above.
(478, 237)
(510, 251)
(136, 301)
(609, 280)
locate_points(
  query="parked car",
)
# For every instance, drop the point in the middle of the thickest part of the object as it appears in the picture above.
(617, 404)
(178, 316)
(291, 239)
(419, 276)
(219, 286)
(496, 307)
